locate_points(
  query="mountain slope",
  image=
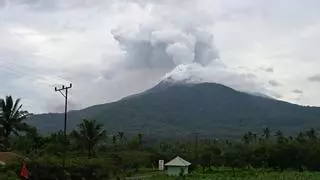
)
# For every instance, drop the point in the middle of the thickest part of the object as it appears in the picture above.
(178, 110)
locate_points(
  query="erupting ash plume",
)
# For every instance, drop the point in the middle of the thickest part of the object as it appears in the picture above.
(179, 52)
(166, 48)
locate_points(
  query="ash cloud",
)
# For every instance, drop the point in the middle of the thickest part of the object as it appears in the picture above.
(166, 48)
(49, 5)
(269, 69)
(315, 78)
(58, 107)
(297, 91)
(181, 51)
(274, 83)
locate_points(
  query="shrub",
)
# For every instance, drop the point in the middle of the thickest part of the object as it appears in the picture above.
(49, 168)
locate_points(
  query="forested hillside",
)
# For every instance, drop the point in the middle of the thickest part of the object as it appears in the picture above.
(182, 109)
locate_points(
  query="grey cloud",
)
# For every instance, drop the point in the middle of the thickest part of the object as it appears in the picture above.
(149, 53)
(269, 69)
(2, 3)
(36, 4)
(315, 78)
(279, 56)
(53, 5)
(56, 106)
(274, 83)
(155, 37)
(297, 91)
(166, 48)
(249, 75)
(217, 73)
(276, 95)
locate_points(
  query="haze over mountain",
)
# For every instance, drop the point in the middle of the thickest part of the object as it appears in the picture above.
(175, 110)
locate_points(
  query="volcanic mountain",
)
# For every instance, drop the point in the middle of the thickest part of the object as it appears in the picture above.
(173, 110)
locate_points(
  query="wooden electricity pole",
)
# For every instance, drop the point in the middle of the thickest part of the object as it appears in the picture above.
(65, 95)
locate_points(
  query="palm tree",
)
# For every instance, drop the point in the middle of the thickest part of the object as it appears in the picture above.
(301, 137)
(245, 138)
(312, 135)
(114, 139)
(250, 136)
(140, 138)
(280, 137)
(121, 137)
(255, 137)
(89, 134)
(11, 119)
(266, 133)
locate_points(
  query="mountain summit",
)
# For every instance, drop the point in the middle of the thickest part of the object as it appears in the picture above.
(184, 72)
(180, 109)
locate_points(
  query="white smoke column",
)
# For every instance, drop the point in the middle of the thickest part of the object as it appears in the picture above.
(216, 72)
(166, 48)
(181, 48)
(163, 41)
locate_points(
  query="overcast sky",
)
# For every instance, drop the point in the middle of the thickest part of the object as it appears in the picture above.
(110, 49)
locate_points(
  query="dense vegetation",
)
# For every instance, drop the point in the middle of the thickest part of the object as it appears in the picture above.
(93, 153)
(213, 110)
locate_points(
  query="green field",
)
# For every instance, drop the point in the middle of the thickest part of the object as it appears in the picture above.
(239, 175)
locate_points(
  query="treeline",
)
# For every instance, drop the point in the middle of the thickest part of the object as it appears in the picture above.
(93, 153)
(265, 151)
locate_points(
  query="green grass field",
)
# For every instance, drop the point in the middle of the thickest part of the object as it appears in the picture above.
(268, 176)
(244, 175)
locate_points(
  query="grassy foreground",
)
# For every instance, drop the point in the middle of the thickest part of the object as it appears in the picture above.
(244, 175)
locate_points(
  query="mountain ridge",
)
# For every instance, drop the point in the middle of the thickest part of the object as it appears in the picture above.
(174, 110)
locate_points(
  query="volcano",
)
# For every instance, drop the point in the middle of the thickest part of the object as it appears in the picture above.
(176, 109)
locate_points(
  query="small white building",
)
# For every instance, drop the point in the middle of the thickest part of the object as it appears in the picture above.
(176, 166)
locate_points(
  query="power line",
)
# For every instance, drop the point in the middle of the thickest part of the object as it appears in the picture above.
(65, 95)
(20, 68)
(28, 73)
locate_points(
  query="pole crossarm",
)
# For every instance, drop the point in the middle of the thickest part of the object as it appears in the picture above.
(63, 88)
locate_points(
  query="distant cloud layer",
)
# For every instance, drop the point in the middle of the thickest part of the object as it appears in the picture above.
(113, 48)
(315, 78)
(270, 70)
(297, 91)
(274, 83)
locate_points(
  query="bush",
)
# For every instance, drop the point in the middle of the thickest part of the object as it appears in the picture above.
(48, 168)
(7, 173)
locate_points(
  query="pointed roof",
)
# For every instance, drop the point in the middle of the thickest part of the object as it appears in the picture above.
(178, 161)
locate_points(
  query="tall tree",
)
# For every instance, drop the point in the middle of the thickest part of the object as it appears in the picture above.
(245, 138)
(114, 139)
(312, 135)
(301, 137)
(250, 135)
(255, 137)
(280, 137)
(140, 139)
(121, 135)
(56, 143)
(11, 119)
(89, 134)
(266, 133)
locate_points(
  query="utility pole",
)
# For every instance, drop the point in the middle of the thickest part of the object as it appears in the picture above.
(196, 140)
(65, 95)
